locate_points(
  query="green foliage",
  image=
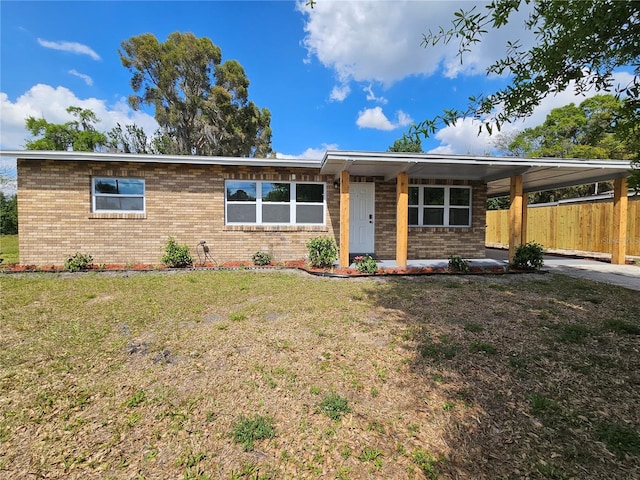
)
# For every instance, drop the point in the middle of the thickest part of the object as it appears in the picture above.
(248, 430)
(528, 256)
(365, 264)
(78, 135)
(426, 463)
(136, 399)
(458, 264)
(406, 144)
(334, 406)
(176, 256)
(573, 46)
(323, 251)
(201, 104)
(8, 214)
(482, 347)
(261, 258)
(78, 262)
(619, 439)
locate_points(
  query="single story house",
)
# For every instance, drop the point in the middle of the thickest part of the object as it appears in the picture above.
(122, 208)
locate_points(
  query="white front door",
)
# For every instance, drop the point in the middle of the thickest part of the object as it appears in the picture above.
(361, 217)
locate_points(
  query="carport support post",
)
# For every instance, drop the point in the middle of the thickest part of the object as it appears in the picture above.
(516, 216)
(619, 233)
(344, 219)
(402, 219)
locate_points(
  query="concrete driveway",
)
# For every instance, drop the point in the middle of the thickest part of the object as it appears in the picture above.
(627, 276)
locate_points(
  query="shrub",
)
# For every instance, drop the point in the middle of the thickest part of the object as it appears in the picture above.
(261, 258)
(176, 256)
(323, 251)
(528, 256)
(366, 264)
(458, 264)
(78, 262)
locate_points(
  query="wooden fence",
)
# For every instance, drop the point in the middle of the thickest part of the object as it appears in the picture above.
(583, 227)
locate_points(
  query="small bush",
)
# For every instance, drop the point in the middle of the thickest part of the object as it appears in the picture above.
(458, 264)
(176, 256)
(78, 262)
(261, 258)
(323, 251)
(528, 256)
(247, 430)
(365, 264)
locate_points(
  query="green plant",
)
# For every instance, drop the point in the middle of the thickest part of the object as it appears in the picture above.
(425, 462)
(136, 399)
(529, 256)
(247, 430)
(334, 406)
(261, 258)
(78, 262)
(619, 439)
(371, 454)
(458, 264)
(482, 347)
(365, 264)
(176, 256)
(323, 251)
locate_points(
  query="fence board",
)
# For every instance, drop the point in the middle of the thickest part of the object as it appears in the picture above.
(585, 227)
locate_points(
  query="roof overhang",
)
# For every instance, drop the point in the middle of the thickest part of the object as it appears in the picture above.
(538, 173)
(179, 159)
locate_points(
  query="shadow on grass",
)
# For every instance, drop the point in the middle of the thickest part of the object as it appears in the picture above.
(540, 380)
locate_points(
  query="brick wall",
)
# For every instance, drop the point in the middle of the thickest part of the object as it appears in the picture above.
(187, 203)
(183, 201)
(429, 242)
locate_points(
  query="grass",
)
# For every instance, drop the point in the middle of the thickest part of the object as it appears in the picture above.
(282, 375)
(9, 249)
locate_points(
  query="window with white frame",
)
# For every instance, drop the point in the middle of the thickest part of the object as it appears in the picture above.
(274, 203)
(117, 195)
(439, 206)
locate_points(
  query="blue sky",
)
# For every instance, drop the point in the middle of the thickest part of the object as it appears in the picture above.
(347, 75)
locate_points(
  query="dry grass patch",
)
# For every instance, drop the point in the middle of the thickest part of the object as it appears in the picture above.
(282, 375)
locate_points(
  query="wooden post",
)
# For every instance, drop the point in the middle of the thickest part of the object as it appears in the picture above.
(515, 215)
(619, 228)
(402, 219)
(344, 219)
(525, 210)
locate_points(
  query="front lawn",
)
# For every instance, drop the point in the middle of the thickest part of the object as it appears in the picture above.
(270, 375)
(8, 249)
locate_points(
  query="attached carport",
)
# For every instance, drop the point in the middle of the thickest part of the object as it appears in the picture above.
(503, 176)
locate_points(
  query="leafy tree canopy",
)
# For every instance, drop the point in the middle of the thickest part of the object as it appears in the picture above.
(201, 104)
(406, 144)
(78, 135)
(578, 42)
(8, 214)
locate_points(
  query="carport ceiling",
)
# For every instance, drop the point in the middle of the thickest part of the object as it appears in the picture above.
(538, 173)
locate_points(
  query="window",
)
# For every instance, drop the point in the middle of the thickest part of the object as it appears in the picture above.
(117, 195)
(274, 203)
(436, 206)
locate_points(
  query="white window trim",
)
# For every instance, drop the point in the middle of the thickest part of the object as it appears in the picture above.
(292, 204)
(447, 207)
(94, 209)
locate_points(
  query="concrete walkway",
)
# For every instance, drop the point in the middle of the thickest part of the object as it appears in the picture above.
(627, 276)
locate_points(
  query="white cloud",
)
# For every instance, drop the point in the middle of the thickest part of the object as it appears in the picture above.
(71, 47)
(87, 79)
(376, 119)
(372, 96)
(339, 93)
(381, 40)
(310, 153)
(463, 137)
(44, 101)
